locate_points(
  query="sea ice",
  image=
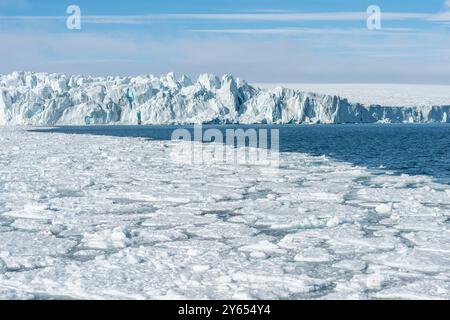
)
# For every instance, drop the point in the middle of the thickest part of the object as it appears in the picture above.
(113, 217)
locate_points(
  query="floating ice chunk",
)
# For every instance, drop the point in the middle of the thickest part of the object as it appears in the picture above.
(431, 241)
(243, 295)
(420, 290)
(313, 255)
(375, 281)
(31, 224)
(200, 268)
(412, 259)
(258, 255)
(26, 250)
(384, 208)
(108, 239)
(289, 284)
(12, 294)
(263, 246)
(352, 265)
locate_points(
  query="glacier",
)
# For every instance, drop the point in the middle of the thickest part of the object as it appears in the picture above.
(29, 98)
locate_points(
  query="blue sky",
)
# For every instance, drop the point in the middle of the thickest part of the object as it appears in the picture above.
(261, 41)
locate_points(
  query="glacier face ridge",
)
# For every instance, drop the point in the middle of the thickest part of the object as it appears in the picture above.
(28, 98)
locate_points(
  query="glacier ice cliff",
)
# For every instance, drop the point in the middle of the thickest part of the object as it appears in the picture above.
(28, 98)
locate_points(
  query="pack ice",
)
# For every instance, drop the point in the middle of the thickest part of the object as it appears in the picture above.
(55, 99)
(104, 217)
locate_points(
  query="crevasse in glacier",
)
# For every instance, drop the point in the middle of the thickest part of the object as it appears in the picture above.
(55, 99)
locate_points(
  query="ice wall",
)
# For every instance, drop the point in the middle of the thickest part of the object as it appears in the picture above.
(55, 99)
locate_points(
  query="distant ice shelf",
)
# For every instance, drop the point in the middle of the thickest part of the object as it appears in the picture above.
(29, 98)
(386, 94)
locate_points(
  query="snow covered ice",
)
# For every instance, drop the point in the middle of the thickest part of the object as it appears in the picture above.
(394, 95)
(84, 216)
(55, 99)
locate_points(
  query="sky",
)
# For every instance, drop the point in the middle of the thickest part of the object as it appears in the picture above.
(276, 41)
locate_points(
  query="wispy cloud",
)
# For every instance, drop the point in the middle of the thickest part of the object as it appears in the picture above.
(145, 19)
(287, 49)
(32, 18)
(440, 17)
(283, 59)
(315, 16)
(311, 31)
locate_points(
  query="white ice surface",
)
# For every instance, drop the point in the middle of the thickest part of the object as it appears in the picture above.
(28, 98)
(107, 217)
(395, 95)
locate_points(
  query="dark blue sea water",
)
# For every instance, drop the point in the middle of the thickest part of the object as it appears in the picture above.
(411, 149)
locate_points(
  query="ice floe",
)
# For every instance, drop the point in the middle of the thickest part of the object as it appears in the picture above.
(106, 217)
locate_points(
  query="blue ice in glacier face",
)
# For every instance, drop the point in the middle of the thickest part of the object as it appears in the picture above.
(55, 99)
